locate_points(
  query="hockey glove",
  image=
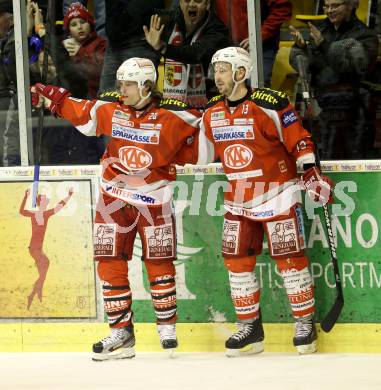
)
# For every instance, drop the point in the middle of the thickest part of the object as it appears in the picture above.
(318, 187)
(53, 95)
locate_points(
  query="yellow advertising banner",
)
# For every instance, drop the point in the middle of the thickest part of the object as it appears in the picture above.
(47, 268)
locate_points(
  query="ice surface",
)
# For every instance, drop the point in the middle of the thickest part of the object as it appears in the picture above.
(191, 371)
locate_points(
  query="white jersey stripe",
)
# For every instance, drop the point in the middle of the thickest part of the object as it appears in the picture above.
(274, 116)
(262, 197)
(269, 208)
(205, 148)
(90, 128)
(187, 117)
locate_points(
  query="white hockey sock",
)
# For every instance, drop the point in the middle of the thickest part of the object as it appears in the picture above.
(245, 292)
(299, 288)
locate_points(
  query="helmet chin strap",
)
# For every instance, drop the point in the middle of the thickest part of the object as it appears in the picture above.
(142, 99)
(236, 83)
(233, 90)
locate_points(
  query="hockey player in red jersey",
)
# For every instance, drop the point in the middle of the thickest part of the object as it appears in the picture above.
(148, 135)
(261, 142)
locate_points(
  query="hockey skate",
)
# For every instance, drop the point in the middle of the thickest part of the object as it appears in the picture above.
(248, 339)
(119, 345)
(305, 335)
(168, 339)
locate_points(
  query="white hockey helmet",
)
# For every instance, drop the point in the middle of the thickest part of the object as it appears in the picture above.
(137, 69)
(237, 57)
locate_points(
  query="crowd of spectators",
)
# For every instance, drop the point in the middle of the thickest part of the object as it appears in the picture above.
(86, 51)
(273, 14)
(189, 36)
(339, 53)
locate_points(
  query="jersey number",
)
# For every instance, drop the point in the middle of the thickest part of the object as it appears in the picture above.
(245, 109)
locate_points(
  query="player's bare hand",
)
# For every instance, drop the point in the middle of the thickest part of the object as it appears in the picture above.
(153, 34)
(297, 37)
(71, 191)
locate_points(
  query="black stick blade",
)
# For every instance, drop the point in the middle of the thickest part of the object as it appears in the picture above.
(330, 319)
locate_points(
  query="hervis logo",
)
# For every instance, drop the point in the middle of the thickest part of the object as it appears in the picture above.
(237, 156)
(134, 158)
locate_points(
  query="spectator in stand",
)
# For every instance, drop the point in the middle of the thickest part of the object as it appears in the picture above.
(273, 14)
(66, 146)
(63, 144)
(86, 48)
(9, 127)
(190, 35)
(339, 53)
(124, 30)
(99, 13)
(69, 147)
(7, 51)
(51, 76)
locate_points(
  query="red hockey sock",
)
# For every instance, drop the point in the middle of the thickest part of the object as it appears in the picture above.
(116, 291)
(161, 275)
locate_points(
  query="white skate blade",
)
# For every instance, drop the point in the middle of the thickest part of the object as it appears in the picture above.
(307, 349)
(120, 353)
(250, 349)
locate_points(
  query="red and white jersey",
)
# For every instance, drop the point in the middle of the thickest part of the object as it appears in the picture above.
(143, 148)
(259, 142)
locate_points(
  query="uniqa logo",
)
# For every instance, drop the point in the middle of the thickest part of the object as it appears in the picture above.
(237, 156)
(134, 158)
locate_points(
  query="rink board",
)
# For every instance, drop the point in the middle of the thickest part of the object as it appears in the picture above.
(70, 291)
(70, 337)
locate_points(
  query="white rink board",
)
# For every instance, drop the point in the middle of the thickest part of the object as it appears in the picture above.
(191, 371)
(94, 171)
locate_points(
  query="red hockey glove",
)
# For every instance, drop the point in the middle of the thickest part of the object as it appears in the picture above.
(35, 99)
(318, 187)
(55, 95)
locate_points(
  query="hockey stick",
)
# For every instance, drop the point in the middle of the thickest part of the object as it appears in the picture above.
(47, 43)
(331, 318)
